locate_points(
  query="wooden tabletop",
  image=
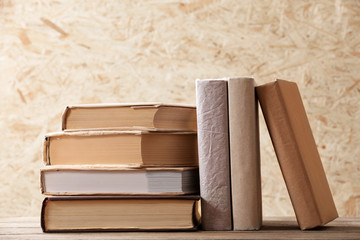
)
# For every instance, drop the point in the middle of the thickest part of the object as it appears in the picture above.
(274, 228)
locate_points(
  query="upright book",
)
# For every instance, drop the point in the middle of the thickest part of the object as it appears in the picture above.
(143, 115)
(121, 213)
(133, 148)
(105, 180)
(297, 153)
(244, 154)
(213, 142)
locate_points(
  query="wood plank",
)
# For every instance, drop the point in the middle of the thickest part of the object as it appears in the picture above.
(274, 228)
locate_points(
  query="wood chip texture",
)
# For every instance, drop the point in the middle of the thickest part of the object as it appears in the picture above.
(58, 53)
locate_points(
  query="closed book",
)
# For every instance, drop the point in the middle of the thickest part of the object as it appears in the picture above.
(121, 213)
(130, 115)
(213, 142)
(244, 154)
(131, 148)
(105, 180)
(297, 153)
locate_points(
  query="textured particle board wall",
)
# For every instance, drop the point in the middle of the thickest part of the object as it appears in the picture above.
(54, 53)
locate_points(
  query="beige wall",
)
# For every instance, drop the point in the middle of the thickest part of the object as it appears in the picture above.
(55, 53)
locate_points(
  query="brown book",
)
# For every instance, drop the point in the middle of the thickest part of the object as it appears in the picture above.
(213, 141)
(137, 115)
(105, 180)
(297, 153)
(132, 148)
(122, 213)
(244, 154)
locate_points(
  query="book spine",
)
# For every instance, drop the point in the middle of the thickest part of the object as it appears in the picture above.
(288, 155)
(244, 154)
(42, 183)
(213, 144)
(42, 215)
(45, 156)
(64, 118)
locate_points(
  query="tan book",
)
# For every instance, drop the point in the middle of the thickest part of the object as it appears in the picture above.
(127, 116)
(297, 153)
(125, 213)
(131, 148)
(244, 154)
(213, 142)
(105, 180)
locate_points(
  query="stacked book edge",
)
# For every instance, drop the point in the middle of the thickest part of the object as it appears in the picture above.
(122, 167)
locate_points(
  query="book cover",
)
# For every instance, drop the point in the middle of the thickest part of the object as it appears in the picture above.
(244, 154)
(213, 144)
(119, 213)
(105, 180)
(297, 153)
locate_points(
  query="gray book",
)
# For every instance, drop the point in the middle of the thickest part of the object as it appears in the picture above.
(213, 144)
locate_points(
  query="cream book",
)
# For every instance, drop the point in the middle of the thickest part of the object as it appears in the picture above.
(131, 148)
(244, 154)
(127, 115)
(121, 213)
(90, 180)
(297, 153)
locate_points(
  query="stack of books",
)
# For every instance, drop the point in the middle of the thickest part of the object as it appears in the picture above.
(229, 159)
(143, 166)
(122, 167)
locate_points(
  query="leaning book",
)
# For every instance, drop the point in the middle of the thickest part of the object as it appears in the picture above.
(297, 153)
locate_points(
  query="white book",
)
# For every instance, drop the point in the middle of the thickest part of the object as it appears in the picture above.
(90, 180)
(244, 154)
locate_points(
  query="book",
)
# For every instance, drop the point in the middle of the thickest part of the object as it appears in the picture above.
(101, 180)
(213, 148)
(143, 115)
(121, 213)
(132, 148)
(244, 154)
(297, 153)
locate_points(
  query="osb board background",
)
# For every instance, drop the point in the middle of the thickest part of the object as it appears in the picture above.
(55, 53)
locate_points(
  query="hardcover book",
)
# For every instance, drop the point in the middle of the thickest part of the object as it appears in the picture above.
(297, 153)
(213, 142)
(121, 213)
(244, 154)
(90, 180)
(138, 115)
(131, 148)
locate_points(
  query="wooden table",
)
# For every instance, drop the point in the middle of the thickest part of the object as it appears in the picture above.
(274, 228)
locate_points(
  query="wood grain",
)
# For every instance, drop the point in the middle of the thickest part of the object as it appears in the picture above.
(274, 228)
